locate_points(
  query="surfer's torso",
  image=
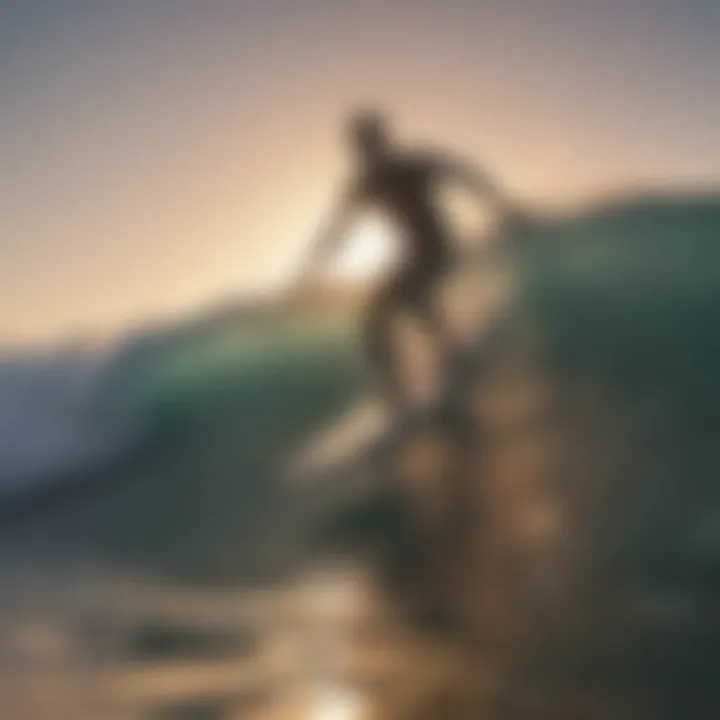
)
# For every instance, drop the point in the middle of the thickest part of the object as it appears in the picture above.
(405, 188)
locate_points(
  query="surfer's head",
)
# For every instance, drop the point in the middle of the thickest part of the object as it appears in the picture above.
(369, 134)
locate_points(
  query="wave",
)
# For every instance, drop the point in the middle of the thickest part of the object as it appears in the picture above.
(51, 422)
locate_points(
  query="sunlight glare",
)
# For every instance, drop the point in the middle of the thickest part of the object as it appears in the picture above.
(366, 251)
(339, 703)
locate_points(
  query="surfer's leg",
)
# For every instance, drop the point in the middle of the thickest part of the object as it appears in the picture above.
(382, 311)
(426, 308)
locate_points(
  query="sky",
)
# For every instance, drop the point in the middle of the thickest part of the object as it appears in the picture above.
(158, 154)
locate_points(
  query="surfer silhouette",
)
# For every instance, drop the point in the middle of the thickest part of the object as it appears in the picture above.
(404, 185)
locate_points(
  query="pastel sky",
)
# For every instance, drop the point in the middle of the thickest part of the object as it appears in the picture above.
(157, 154)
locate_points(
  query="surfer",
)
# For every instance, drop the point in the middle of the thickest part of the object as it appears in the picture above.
(403, 184)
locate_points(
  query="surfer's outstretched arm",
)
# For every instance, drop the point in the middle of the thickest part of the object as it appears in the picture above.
(476, 179)
(511, 215)
(331, 235)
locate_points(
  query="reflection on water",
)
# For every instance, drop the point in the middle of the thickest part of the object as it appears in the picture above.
(81, 646)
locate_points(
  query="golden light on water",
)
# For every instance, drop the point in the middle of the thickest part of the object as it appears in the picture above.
(337, 702)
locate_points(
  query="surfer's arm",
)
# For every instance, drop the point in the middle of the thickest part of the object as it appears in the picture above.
(332, 233)
(510, 215)
(480, 182)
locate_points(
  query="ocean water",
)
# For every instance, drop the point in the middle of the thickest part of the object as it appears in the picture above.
(181, 581)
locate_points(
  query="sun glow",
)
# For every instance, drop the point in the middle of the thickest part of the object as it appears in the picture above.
(339, 703)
